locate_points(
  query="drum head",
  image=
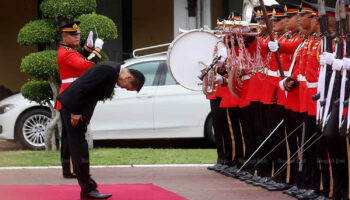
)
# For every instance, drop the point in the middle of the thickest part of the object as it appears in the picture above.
(185, 54)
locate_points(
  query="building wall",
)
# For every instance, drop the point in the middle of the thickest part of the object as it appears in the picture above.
(152, 22)
(13, 17)
(217, 8)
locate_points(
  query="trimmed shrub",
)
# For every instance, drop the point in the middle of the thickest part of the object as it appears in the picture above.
(68, 9)
(41, 65)
(37, 91)
(105, 27)
(40, 31)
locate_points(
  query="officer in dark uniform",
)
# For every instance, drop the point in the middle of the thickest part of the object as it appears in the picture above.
(71, 65)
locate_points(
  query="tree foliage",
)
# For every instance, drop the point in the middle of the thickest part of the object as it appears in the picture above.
(38, 91)
(106, 28)
(40, 31)
(67, 9)
(41, 65)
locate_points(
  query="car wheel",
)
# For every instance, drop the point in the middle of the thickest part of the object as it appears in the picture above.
(31, 127)
(209, 130)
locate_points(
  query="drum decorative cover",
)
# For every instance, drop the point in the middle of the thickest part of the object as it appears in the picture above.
(187, 53)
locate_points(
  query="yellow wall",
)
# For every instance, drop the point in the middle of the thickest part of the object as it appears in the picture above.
(13, 16)
(152, 22)
(216, 12)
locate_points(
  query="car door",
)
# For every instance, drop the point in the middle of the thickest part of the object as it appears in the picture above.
(178, 111)
(129, 114)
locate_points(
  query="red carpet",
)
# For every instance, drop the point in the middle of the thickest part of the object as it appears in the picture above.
(72, 192)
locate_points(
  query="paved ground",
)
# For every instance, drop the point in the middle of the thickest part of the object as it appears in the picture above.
(194, 183)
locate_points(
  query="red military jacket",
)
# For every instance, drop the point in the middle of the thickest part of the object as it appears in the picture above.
(305, 52)
(72, 64)
(289, 47)
(255, 91)
(270, 86)
(312, 71)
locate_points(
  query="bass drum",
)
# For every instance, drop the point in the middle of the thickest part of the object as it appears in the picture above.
(186, 53)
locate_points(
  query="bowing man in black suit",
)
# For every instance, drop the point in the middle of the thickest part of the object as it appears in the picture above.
(78, 104)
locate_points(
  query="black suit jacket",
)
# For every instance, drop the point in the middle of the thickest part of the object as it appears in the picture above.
(97, 83)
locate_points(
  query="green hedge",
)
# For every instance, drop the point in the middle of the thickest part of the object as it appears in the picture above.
(38, 32)
(41, 65)
(106, 28)
(68, 9)
(38, 91)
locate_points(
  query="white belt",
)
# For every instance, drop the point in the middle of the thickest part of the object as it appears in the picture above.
(69, 80)
(276, 73)
(301, 77)
(311, 84)
(245, 77)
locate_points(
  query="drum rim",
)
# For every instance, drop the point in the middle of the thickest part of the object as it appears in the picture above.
(171, 47)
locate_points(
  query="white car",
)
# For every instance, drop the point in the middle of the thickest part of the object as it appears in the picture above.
(162, 109)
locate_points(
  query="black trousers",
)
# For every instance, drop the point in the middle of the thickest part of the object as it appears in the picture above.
(222, 134)
(79, 151)
(260, 133)
(65, 153)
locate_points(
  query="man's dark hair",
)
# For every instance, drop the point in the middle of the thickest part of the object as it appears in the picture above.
(139, 79)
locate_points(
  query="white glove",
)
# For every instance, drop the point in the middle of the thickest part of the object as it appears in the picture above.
(90, 41)
(322, 60)
(282, 85)
(337, 64)
(346, 63)
(98, 43)
(218, 79)
(223, 53)
(273, 46)
(329, 58)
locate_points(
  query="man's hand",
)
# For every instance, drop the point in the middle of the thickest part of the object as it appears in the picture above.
(90, 41)
(98, 43)
(74, 119)
(290, 83)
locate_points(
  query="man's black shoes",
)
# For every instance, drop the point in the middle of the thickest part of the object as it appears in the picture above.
(94, 194)
(69, 175)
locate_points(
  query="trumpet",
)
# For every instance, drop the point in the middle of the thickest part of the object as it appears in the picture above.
(241, 27)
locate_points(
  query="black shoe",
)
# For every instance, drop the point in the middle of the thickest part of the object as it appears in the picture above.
(253, 179)
(246, 177)
(297, 192)
(262, 181)
(212, 167)
(69, 175)
(277, 187)
(220, 168)
(322, 198)
(308, 194)
(230, 171)
(291, 190)
(94, 194)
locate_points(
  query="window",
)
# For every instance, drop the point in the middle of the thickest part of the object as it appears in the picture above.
(149, 70)
(169, 80)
